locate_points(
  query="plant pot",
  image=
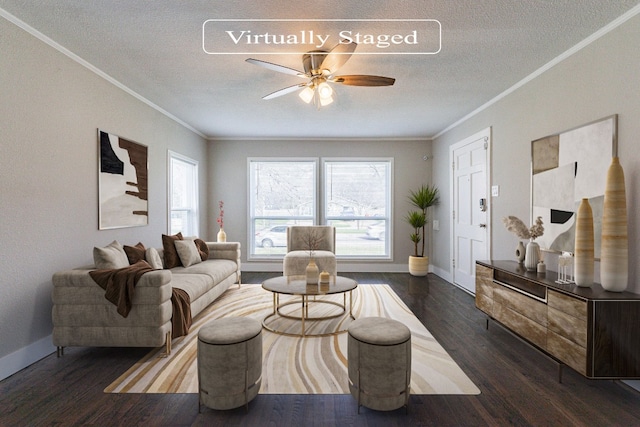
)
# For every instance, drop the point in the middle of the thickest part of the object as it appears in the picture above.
(418, 265)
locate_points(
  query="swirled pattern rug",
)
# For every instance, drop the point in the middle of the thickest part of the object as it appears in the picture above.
(291, 365)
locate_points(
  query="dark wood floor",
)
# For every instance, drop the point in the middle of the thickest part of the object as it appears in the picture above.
(519, 385)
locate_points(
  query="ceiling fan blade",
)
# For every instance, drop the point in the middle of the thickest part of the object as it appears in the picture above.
(338, 56)
(276, 67)
(363, 80)
(285, 91)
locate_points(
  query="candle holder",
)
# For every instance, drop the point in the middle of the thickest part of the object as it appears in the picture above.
(565, 269)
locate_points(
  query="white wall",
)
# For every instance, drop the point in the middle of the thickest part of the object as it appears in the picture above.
(50, 110)
(228, 180)
(597, 81)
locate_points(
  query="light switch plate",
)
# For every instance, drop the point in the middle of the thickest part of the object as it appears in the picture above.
(436, 225)
(495, 190)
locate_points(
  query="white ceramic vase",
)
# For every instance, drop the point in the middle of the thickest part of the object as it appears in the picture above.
(312, 272)
(222, 236)
(532, 256)
(584, 252)
(614, 252)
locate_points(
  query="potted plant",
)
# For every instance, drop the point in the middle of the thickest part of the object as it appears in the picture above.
(422, 198)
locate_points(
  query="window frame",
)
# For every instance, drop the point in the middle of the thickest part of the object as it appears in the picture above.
(320, 208)
(251, 255)
(193, 212)
(388, 218)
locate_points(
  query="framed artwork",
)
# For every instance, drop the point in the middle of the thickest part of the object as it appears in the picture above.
(565, 168)
(122, 181)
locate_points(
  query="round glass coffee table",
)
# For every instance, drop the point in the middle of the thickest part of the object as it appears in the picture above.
(297, 285)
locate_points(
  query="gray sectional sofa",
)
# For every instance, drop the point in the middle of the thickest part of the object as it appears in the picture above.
(83, 317)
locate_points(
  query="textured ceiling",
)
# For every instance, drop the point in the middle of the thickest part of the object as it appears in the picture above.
(155, 48)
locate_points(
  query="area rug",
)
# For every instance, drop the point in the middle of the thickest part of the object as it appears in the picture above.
(291, 365)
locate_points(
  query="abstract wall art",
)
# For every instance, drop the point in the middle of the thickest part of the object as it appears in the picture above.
(567, 167)
(122, 181)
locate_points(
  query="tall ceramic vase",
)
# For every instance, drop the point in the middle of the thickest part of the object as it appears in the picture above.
(532, 256)
(584, 253)
(614, 256)
(222, 236)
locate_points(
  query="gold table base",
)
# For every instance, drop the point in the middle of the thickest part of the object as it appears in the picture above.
(304, 314)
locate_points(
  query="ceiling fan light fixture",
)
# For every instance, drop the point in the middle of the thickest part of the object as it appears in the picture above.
(324, 101)
(306, 94)
(325, 91)
(319, 68)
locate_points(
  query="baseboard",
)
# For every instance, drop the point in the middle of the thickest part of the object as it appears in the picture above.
(20, 359)
(444, 274)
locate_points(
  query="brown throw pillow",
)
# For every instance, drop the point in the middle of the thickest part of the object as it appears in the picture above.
(135, 253)
(203, 249)
(171, 258)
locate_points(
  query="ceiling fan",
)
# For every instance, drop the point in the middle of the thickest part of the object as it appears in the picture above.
(320, 67)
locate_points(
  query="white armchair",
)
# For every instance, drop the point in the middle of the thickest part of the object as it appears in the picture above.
(297, 257)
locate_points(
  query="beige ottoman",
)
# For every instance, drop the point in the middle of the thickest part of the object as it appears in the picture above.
(229, 362)
(379, 358)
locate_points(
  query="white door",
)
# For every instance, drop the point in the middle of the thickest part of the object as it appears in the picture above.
(470, 228)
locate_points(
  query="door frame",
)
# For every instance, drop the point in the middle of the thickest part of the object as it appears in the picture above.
(483, 134)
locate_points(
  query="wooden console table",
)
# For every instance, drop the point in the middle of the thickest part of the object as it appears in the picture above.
(591, 330)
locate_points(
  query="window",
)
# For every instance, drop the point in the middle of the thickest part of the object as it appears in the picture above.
(281, 193)
(355, 197)
(183, 195)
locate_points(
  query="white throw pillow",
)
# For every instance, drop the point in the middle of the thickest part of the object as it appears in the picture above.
(188, 252)
(110, 257)
(153, 258)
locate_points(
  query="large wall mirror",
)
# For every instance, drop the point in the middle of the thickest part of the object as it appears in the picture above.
(567, 167)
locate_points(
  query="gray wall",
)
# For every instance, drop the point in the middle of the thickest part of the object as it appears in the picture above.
(228, 180)
(50, 111)
(597, 81)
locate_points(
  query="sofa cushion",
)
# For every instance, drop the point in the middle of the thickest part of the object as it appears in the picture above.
(188, 252)
(135, 253)
(110, 257)
(171, 258)
(195, 285)
(216, 268)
